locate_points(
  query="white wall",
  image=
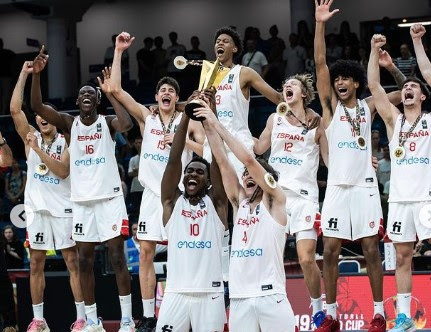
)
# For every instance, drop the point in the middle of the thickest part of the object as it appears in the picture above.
(188, 17)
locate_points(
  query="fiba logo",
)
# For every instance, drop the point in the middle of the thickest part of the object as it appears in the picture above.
(167, 328)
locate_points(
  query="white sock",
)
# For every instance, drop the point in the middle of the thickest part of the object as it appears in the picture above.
(378, 309)
(126, 306)
(403, 301)
(317, 304)
(149, 307)
(331, 309)
(91, 312)
(38, 311)
(80, 310)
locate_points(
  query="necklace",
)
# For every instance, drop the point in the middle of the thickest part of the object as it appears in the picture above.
(167, 130)
(356, 126)
(399, 151)
(47, 148)
(304, 125)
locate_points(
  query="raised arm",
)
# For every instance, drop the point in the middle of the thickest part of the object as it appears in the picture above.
(172, 175)
(264, 141)
(60, 168)
(18, 116)
(246, 157)
(121, 121)
(62, 121)
(322, 140)
(324, 87)
(386, 62)
(416, 32)
(250, 78)
(138, 111)
(387, 111)
(5, 153)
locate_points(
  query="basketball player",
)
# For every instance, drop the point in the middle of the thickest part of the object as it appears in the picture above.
(99, 211)
(295, 155)
(258, 300)
(409, 146)
(193, 223)
(158, 131)
(47, 204)
(351, 209)
(233, 93)
(5, 153)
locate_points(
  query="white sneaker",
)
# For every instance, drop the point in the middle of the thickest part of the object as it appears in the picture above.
(94, 327)
(127, 325)
(38, 326)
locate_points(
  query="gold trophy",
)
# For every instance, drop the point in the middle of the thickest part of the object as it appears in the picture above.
(212, 73)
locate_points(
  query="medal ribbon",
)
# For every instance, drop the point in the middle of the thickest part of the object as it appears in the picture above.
(356, 125)
(289, 112)
(167, 130)
(401, 139)
(48, 148)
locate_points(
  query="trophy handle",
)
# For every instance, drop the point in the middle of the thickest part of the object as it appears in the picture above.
(181, 62)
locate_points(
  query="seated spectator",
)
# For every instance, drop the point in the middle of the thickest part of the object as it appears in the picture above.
(375, 144)
(15, 184)
(406, 63)
(159, 59)
(384, 169)
(15, 251)
(7, 303)
(346, 37)
(255, 59)
(294, 56)
(305, 38)
(333, 50)
(423, 248)
(132, 248)
(145, 60)
(274, 77)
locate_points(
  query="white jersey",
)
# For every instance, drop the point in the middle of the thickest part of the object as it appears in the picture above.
(256, 261)
(348, 164)
(411, 176)
(155, 153)
(47, 192)
(232, 107)
(195, 248)
(93, 167)
(295, 155)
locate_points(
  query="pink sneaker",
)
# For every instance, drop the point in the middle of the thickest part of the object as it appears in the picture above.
(38, 326)
(79, 325)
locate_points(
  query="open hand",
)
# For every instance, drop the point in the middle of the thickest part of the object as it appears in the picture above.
(323, 12)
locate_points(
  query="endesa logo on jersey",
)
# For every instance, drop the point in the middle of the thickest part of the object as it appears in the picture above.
(413, 161)
(285, 160)
(194, 244)
(350, 145)
(46, 179)
(224, 114)
(244, 253)
(93, 137)
(90, 161)
(156, 157)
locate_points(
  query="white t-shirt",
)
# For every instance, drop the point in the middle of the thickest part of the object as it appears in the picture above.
(133, 164)
(255, 60)
(384, 171)
(295, 60)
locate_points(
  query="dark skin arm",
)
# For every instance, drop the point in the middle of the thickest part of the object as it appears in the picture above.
(62, 121)
(121, 121)
(172, 175)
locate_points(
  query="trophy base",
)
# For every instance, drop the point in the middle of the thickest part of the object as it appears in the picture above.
(189, 110)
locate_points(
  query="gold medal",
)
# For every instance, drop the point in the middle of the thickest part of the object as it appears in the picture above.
(361, 142)
(282, 108)
(41, 169)
(270, 181)
(399, 153)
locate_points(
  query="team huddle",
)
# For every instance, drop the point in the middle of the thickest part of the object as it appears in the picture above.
(192, 170)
